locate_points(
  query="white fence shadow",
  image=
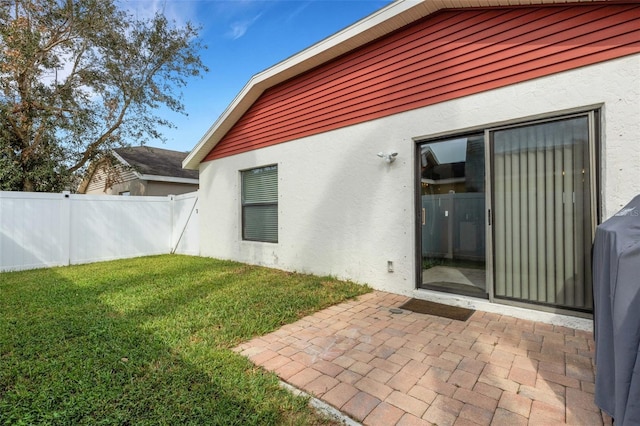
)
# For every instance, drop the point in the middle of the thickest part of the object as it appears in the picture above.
(41, 229)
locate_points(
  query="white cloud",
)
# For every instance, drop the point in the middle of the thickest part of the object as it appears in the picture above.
(179, 11)
(239, 28)
(236, 15)
(292, 16)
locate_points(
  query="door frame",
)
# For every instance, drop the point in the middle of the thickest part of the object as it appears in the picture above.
(594, 113)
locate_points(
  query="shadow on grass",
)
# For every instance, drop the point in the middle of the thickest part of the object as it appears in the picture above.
(84, 346)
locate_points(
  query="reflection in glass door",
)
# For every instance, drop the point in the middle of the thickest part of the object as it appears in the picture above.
(453, 231)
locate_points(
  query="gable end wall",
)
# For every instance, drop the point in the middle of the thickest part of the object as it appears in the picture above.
(447, 56)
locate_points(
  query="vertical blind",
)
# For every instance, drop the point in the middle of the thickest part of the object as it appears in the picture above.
(260, 204)
(543, 221)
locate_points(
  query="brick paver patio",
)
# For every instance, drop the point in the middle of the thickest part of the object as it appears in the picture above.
(382, 368)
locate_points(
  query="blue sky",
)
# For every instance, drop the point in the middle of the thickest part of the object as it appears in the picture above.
(244, 37)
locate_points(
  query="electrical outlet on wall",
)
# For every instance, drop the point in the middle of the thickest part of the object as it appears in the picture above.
(389, 266)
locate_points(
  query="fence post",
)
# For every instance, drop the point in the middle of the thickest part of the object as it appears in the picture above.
(66, 217)
(172, 221)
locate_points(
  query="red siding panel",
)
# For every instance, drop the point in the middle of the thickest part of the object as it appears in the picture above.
(446, 56)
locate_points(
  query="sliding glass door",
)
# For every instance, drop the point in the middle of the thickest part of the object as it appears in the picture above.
(543, 212)
(518, 198)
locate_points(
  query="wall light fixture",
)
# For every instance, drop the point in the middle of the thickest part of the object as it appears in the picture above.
(389, 158)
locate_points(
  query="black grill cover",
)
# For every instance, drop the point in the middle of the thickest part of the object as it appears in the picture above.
(616, 289)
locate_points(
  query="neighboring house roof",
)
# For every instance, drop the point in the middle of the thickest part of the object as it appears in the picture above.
(156, 164)
(142, 163)
(383, 22)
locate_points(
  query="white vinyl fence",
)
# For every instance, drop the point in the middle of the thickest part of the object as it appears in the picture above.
(39, 230)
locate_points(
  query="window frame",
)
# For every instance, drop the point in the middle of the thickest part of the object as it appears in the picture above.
(246, 206)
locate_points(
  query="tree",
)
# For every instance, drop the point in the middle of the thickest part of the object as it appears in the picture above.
(80, 77)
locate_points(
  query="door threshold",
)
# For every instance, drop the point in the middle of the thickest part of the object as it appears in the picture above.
(560, 319)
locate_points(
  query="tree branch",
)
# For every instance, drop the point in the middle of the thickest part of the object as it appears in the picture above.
(92, 148)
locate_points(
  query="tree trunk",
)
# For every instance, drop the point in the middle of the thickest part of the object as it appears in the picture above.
(27, 185)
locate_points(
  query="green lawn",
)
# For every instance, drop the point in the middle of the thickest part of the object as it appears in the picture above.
(148, 341)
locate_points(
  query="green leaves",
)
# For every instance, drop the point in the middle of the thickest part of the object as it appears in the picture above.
(80, 77)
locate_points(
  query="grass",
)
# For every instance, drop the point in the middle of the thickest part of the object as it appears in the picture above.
(148, 341)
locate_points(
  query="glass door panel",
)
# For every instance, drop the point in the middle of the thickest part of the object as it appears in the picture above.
(453, 231)
(543, 213)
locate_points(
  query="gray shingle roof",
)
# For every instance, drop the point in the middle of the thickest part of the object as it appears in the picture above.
(156, 161)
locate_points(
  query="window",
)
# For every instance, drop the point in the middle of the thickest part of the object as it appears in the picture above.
(260, 204)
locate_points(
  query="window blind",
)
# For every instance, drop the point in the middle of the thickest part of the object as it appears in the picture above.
(542, 211)
(260, 204)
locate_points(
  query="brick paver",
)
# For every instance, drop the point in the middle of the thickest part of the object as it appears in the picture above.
(360, 405)
(407, 403)
(384, 368)
(340, 394)
(515, 403)
(384, 414)
(476, 415)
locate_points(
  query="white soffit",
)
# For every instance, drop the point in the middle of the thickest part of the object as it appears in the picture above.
(386, 20)
(170, 179)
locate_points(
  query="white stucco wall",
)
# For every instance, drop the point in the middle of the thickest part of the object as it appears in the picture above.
(343, 211)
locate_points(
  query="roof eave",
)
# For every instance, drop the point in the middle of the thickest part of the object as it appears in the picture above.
(386, 20)
(169, 179)
(126, 164)
(362, 32)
